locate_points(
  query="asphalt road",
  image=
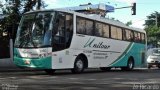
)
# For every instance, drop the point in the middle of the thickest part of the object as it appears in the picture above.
(91, 79)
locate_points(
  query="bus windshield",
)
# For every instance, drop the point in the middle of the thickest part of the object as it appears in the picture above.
(34, 28)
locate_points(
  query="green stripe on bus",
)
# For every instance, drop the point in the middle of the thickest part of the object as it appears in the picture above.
(136, 51)
(126, 51)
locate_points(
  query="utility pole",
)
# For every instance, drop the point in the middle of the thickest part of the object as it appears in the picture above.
(156, 20)
(39, 4)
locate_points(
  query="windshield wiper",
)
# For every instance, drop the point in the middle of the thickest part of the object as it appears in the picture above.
(26, 39)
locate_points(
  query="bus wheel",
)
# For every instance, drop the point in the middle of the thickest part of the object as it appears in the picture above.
(130, 65)
(78, 65)
(105, 68)
(50, 71)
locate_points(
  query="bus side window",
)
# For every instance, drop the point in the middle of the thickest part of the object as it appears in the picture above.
(124, 35)
(105, 30)
(89, 27)
(81, 25)
(119, 33)
(58, 42)
(99, 29)
(69, 30)
(116, 33)
(142, 38)
(129, 35)
(113, 32)
(137, 37)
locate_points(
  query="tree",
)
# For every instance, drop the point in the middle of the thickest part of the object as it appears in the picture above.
(152, 27)
(129, 23)
(153, 19)
(14, 9)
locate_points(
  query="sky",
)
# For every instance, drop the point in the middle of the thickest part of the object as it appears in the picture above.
(144, 8)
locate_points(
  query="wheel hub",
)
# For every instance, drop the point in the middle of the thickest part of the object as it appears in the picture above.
(130, 65)
(79, 64)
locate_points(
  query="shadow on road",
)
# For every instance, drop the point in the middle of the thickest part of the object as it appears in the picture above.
(33, 72)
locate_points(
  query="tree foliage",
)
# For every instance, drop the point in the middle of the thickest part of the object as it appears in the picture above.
(13, 10)
(151, 19)
(129, 23)
(153, 28)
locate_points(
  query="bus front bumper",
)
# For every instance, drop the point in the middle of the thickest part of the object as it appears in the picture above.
(38, 63)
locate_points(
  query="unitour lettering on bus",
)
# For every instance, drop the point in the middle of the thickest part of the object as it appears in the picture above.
(99, 45)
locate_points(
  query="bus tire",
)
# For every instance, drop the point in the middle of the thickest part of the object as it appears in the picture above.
(105, 68)
(78, 65)
(130, 65)
(50, 71)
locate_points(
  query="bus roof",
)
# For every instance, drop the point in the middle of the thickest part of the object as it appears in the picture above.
(97, 18)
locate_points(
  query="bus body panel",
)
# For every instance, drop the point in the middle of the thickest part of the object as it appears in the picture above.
(100, 52)
(136, 51)
(115, 55)
(63, 59)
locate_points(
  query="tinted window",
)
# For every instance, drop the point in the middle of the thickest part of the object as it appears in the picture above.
(128, 35)
(142, 38)
(62, 31)
(89, 27)
(84, 26)
(99, 29)
(137, 37)
(105, 30)
(113, 32)
(69, 29)
(116, 33)
(119, 33)
(80, 26)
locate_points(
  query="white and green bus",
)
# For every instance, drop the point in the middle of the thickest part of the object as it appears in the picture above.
(60, 39)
